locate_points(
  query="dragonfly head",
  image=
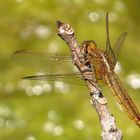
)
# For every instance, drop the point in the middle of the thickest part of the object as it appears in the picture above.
(89, 46)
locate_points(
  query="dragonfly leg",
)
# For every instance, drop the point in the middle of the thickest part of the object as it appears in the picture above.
(87, 63)
(99, 94)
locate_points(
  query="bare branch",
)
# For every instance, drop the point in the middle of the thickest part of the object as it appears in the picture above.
(109, 129)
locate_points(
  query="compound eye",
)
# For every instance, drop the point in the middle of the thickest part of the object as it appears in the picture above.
(88, 46)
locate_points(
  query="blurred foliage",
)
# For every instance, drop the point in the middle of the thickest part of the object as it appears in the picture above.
(59, 113)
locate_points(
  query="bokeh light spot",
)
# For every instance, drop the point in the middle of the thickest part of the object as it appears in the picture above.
(119, 5)
(62, 87)
(53, 47)
(118, 68)
(42, 31)
(46, 88)
(94, 16)
(30, 138)
(52, 115)
(37, 90)
(79, 124)
(133, 80)
(18, 1)
(130, 131)
(100, 1)
(112, 17)
(29, 91)
(58, 130)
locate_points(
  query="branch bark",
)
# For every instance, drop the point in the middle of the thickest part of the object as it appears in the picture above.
(98, 101)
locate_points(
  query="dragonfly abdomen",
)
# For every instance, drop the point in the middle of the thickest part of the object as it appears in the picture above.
(122, 97)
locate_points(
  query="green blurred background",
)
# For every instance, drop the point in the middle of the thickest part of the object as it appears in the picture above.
(32, 110)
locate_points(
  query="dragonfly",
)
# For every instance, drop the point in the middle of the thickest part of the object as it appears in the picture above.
(59, 67)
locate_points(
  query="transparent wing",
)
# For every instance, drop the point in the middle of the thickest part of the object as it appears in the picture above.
(57, 67)
(109, 50)
(118, 45)
(72, 78)
(114, 53)
(49, 63)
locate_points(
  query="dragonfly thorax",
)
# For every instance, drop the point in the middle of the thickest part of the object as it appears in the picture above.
(97, 59)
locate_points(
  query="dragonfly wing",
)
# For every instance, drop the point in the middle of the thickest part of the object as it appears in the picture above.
(118, 45)
(50, 63)
(72, 78)
(109, 50)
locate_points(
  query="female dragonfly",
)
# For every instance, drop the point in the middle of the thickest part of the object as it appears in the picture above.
(102, 62)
